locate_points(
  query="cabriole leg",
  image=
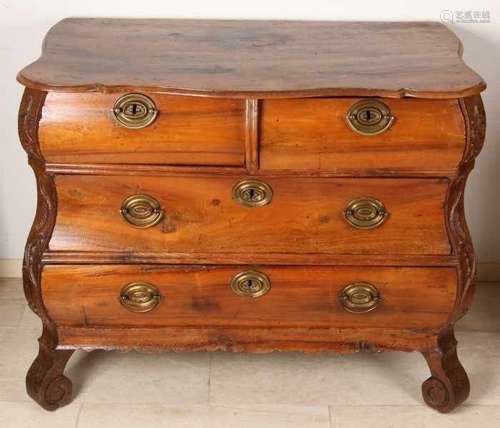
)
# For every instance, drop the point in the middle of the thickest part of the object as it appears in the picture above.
(449, 385)
(45, 381)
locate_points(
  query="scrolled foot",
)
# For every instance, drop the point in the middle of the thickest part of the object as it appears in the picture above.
(449, 385)
(45, 381)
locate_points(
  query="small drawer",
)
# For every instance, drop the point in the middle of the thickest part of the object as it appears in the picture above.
(215, 215)
(142, 129)
(154, 296)
(345, 135)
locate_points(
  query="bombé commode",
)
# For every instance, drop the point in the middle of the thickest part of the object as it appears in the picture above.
(250, 186)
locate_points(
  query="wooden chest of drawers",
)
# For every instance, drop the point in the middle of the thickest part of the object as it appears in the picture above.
(250, 186)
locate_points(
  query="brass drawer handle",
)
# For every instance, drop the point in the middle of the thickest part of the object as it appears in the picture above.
(369, 117)
(139, 297)
(135, 111)
(365, 213)
(251, 283)
(360, 297)
(141, 211)
(252, 193)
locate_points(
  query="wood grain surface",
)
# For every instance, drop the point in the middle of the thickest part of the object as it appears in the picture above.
(88, 296)
(313, 135)
(249, 339)
(253, 58)
(80, 128)
(305, 216)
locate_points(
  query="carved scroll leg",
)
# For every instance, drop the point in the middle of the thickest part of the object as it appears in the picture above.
(449, 385)
(45, 381)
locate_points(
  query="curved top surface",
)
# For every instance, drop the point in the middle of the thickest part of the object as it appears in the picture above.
(253, 58)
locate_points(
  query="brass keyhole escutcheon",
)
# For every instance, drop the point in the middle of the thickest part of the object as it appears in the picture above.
(251, 283)
(360, 297)
(141, 211)
(369, 117)
(252, 193)
(135, 111)
(365, 213)
(139, 297)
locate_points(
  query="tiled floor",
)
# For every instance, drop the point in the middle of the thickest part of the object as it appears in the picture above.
(199, 390)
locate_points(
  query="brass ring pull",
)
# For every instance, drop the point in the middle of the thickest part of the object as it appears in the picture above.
(252, 193)
(251, 283)
(141, 211)
(369, 117)
(360, 297)
(139, 297)
(365, 213)
(135, 111)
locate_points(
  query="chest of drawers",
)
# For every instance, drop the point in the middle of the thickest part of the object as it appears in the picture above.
(250, 186)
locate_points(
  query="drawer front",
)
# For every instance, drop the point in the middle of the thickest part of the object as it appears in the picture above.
(201, 296)
(200, 215)
(313, 134)
(82, 128)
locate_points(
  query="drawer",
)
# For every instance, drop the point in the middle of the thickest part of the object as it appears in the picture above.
(374, 297)
(201, 215)
(82, 128)
(313, 134)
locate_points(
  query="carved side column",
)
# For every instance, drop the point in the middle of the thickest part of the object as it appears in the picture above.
(461, 243)
(45, 381)
(449, 386)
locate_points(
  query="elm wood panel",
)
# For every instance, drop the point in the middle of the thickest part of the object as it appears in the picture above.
(253, 58)
(305, 216)
(248, 339)
(80, 128)
(312, 134)
(198, 295)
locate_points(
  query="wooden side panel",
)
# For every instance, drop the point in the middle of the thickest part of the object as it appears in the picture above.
(305, 216)
(89, 296)
(312, 134)
(79, 128)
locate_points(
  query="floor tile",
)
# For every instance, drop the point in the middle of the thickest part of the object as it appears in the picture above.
(484, 314)
(167, 378)
(479, 353)
(269, 417)
(18, 349)
(134, 415)
(11, 313)
(31, 321)
(11, 289)
(97, 415)
(30, 415)
(326, 379)
(414, 417)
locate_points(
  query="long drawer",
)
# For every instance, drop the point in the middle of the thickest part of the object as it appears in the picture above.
(202, 214)
(154, 296)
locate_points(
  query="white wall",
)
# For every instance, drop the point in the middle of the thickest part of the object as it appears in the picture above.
(23, 24)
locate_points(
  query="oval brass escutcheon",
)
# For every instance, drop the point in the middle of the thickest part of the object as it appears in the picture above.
(135, 111)
(360, 297)
(365, 213)
(139, 297)
(369, 117)
(251, 283)
(141, 211)
(252, 193)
